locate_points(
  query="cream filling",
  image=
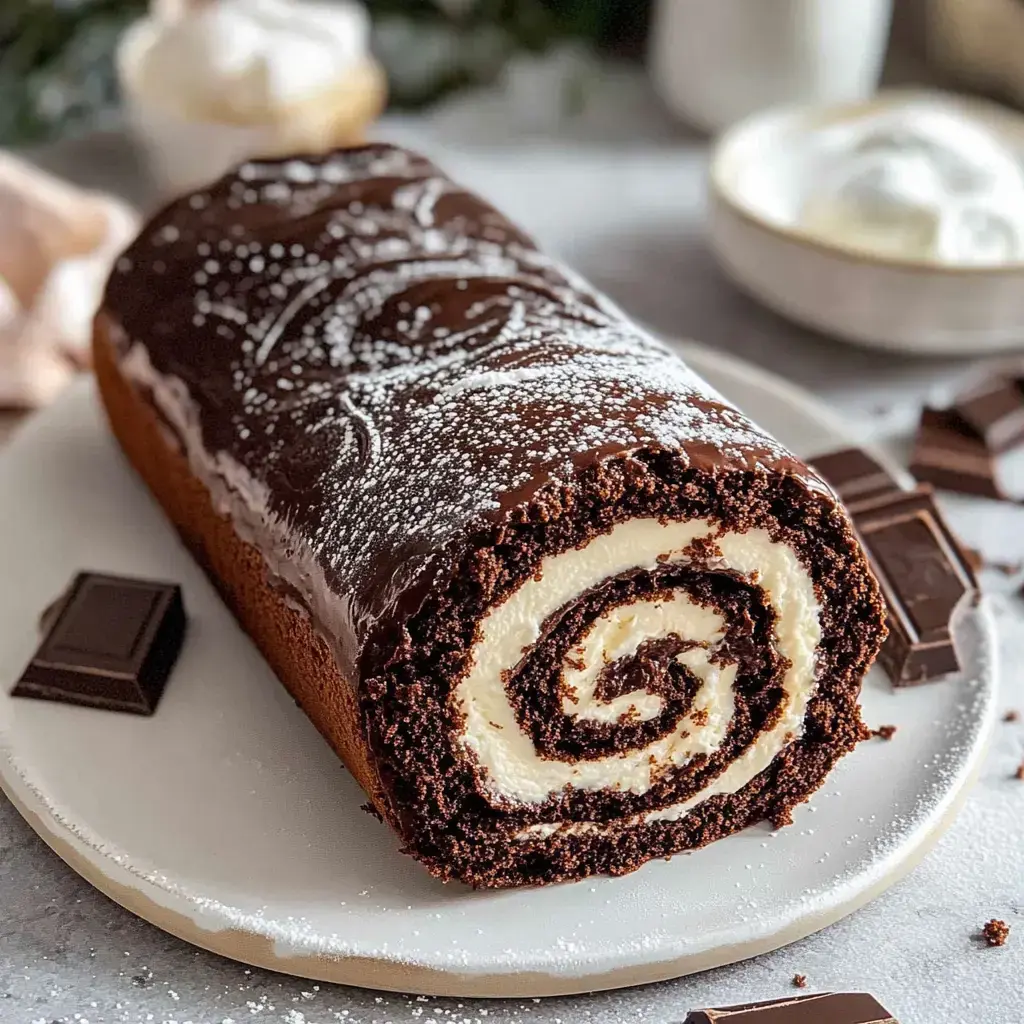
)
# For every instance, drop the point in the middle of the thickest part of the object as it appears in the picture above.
(512, 770)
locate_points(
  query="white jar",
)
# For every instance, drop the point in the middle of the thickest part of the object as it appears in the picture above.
(716, 61)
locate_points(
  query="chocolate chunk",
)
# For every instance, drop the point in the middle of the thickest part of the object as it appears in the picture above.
(820, 1008)
(994, 411)
(995, 932)
(924, 577)
(948, 456)
(855, 476)
(923, 569)
(111, 644)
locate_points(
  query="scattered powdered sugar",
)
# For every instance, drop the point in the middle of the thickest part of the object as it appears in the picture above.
(393, 359)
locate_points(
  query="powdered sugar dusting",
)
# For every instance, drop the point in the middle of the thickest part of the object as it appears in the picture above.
(394, 359)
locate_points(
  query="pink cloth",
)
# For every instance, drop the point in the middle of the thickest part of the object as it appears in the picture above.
(57, 244)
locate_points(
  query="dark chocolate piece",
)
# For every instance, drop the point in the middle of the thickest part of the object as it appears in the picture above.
(994, 411)
(924, 576)
(855, 476)
(820, 1008)
(949, 457)
(919, 647)
(111, 645)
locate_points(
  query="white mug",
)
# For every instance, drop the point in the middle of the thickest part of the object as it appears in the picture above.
(716, 61)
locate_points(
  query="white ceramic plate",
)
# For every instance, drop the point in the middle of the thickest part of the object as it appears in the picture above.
(226, 820)
(757, 173)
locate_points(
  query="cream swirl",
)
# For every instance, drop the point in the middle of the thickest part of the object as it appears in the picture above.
(513, 772)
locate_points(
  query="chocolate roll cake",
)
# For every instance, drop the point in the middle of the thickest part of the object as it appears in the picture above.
(558, 606)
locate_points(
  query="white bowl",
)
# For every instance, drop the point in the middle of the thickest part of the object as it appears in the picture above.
(907, 305)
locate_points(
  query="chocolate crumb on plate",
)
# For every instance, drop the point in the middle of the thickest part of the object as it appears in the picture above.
(1019, 773)
(799, 981)
(1012, 715)
(111, 643)
(884, 732)
(973, 557)
(977, 561)
(818, 1008)
(1006, 568)
(995, 932)
(372, 811)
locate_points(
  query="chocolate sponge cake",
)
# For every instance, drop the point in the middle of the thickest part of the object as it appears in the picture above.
(559, 607)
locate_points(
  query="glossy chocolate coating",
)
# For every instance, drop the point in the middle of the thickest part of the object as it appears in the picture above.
(393, 365)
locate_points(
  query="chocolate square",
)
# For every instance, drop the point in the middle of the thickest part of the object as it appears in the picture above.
(111, 643)
(994, 411)
(855, 476)
(951, 457)
(925, 577)
(821, 1008)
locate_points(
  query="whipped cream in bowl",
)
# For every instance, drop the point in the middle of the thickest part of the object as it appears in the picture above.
(208, 85)
(921, 181)
(896, 222)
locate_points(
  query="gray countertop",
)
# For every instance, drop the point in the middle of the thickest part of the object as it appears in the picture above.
(624, 204)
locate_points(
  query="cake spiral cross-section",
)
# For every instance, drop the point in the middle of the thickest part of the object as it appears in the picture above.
(559, 606)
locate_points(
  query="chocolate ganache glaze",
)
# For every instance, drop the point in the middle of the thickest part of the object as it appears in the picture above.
(586, 612)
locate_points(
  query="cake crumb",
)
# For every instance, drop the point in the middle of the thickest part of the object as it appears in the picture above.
(995, 932)
(799, 981)
(1019, 773)
(372, 811)
(884, 732)
(1013, 715)
(973, 557)
(781, 818)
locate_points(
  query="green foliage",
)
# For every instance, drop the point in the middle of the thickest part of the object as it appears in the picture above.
(57, 75)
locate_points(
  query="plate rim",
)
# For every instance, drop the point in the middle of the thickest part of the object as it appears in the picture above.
(129, 889)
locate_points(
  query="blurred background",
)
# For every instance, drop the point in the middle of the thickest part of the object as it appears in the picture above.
(593, 122)
(58, 74)
(58, 67)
